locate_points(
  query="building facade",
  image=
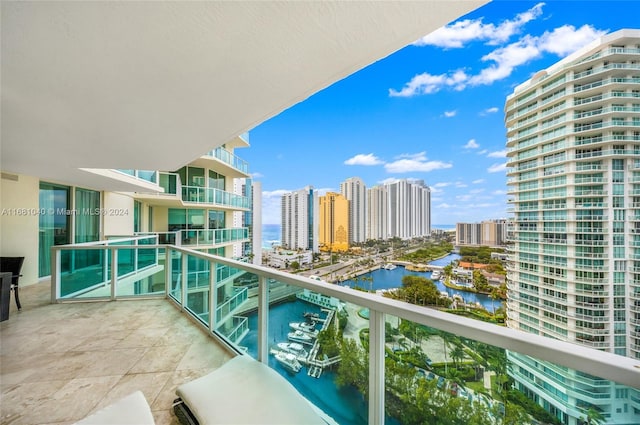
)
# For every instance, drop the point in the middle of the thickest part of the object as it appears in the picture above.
(486, 233)
(377, 213)
(408, 209)
(334, 222)
(299, 215)
(573, 139)
(355, 191)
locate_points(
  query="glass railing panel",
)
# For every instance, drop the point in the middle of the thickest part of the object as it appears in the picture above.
(147, 257)
(150, 280)
(197, 291)
(82, 271)
(126, 258)
(150, 176)
(320, 345)
(175, 257)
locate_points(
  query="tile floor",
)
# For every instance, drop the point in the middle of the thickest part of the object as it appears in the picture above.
(61, 362)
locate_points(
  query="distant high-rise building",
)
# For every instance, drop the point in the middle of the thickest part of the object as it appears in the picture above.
(409, 209)
(355, 191)
(377, 213)
(334, 222)
(299, 217)
(251, 219)
(573, 139)
(486, 233)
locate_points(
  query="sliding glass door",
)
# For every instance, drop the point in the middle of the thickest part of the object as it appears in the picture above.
(54, 223)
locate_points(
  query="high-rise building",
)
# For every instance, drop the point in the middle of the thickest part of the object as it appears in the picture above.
(333, 222)
(300, 219)
(409, 209)
(377, 213)
(574, 175)
(487, 233)
(355, 191)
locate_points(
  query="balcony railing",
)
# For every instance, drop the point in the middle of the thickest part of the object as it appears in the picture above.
(207, 195)
(230, 159)
(387, 370)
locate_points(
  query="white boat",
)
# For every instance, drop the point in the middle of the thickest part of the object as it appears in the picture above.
(293, 348)
(289, 361)
(301, 337)
(308, 327)
(390, 266)
(435, 275)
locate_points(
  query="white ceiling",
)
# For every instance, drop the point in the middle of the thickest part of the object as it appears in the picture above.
(153, 85)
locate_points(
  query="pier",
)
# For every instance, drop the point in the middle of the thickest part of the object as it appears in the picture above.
(314, 366)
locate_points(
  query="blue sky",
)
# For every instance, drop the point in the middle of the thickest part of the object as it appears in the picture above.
(433, 110)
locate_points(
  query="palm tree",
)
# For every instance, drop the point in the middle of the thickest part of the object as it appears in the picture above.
(594, 417)
(457, 354)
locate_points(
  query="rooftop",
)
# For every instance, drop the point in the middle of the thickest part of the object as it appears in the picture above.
(62, 362)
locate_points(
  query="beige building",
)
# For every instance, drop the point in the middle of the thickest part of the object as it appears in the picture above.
(334, 222)
(486, 233)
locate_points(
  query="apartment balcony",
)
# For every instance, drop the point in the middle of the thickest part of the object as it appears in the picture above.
(176, 194)
(229, 164)
(64, 360)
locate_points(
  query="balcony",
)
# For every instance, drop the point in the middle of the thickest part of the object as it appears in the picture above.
(182, 195)
(161, 299)
(237, 167)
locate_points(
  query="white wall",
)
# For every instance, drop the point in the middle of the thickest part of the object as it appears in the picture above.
(117, 214)
(19, 223)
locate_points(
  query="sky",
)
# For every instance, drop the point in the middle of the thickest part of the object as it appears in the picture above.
(433, 110)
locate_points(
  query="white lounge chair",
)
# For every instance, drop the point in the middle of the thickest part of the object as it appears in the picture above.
(243, 391)
(131, 410)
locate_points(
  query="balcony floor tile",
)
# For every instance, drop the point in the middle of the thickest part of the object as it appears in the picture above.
(62, 362)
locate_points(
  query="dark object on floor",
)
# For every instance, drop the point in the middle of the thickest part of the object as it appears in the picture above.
(13, 265)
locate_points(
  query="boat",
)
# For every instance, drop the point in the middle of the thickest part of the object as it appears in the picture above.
(289, 361)
(293, 348)
(308, 327)
(390, 266)
(311, 316)
(301, 337)
(435, 275)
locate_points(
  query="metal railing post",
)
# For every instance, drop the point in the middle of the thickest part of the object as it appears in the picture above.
(213, 308)
(168, 272)
(183, 283)
(376, 367)
(263, 319)
(114, 271)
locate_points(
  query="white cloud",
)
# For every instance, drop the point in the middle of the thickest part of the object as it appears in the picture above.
(502, 61)
(478, 181)
(457, 34)
(460, 184)
(450, 114)
(497, 168)
(445, 205)
(476, 191)
(499, 192)
(408, 163)
(364, 159)
(389, 180)
(472, 144)
(442, 184)
(498, 154)
(256, 175)
(488, 111)
(271, 203)
(483, 151)
(435, 190)
(426, 83)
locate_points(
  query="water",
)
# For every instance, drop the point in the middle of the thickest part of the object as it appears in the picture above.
(270, 235)
(345, 406)
(390, 279)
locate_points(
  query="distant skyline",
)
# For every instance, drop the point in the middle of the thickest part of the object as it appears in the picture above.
(432, 111)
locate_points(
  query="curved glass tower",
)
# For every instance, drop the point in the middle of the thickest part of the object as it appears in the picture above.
(573, 139)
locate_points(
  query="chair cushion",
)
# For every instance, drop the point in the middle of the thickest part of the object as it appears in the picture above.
(245, 391)
(131, 410)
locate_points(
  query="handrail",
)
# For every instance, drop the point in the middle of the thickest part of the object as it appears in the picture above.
(623, 370)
